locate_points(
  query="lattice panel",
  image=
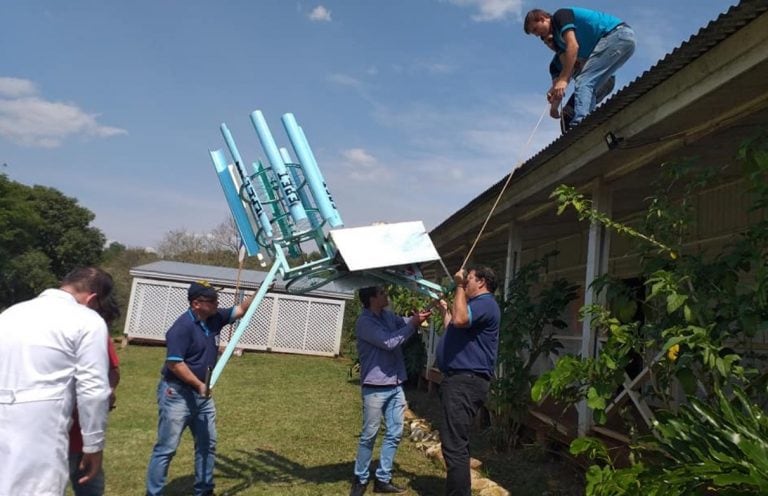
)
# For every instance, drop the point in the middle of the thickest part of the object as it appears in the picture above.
(286, 323)
(256, 335)
(290, 325)
(319, 335)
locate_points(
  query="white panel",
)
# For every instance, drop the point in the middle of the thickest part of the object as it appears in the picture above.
(300, 324)
(384, 245)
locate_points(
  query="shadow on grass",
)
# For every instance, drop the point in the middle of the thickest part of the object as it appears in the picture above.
(267, 467)
(181, 485)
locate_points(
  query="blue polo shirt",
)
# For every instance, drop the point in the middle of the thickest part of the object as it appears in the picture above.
(589, 27)
(193, 342)
(472, 348)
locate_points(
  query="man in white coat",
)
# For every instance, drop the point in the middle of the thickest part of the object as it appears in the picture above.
(53, 354)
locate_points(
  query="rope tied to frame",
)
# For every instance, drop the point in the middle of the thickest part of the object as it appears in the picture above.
(504, 188)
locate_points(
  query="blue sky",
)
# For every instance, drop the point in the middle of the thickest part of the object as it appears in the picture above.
(412, 107)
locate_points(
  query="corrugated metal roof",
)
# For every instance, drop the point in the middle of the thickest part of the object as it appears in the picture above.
(168, 270)
(713, 33)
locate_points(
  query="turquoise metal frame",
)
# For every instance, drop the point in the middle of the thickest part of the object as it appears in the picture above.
(296, 195)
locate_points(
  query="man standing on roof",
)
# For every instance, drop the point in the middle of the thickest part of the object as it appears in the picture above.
(555, 67)
(183, 399)
(603, 42)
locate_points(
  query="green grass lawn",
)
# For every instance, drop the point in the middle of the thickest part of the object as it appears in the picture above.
(287, 425)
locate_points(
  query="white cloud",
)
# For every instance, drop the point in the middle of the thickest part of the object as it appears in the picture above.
(359, 157)
(360, 166)
(14, 87)
(492, 10)
(345, 80)
(320, 14)
(30, 120)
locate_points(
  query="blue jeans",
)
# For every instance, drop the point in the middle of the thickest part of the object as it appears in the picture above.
(378, 402)
(609, 54)
(180, 406)
(94, 487)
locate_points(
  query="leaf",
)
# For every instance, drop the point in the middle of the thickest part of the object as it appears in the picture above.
(537, 390)
(594, 400)
(675, 301)
(687, 313)
(673, 341)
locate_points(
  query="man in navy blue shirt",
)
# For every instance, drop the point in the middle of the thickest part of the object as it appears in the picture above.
(182, 396)
(466, 355)
(380, 337)
(602, 42)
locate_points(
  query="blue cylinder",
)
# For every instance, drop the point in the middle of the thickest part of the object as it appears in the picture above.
(312, 173)
(253, 199)
(313, 215)
(277, 211)
(291, 198)
(239, 213)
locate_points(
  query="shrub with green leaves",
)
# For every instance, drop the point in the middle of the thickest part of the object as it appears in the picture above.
(530, 317)
(700, 317)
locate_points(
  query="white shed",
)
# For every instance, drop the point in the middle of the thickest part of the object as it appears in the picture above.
(308, 324)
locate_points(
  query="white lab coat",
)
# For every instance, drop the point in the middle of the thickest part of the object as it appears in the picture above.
(53, 353)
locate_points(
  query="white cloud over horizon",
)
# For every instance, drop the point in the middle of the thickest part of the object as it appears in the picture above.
(30, 120)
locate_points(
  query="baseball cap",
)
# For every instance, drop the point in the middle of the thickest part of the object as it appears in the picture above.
(201, 289)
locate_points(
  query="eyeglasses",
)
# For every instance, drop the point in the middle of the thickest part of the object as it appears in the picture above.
(207, 300)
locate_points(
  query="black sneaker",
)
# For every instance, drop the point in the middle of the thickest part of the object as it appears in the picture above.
(386, 487)
(358, 488)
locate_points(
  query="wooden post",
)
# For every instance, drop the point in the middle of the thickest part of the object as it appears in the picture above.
(598, 252)
(514, 247)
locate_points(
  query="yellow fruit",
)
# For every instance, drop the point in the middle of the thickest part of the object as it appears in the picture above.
(673, 351)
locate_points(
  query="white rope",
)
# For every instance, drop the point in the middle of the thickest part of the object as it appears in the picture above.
(498, 198)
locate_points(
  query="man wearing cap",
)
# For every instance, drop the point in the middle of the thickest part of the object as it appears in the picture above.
(182, 396)
(53, 354)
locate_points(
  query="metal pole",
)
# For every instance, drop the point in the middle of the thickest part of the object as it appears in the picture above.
(245, 320)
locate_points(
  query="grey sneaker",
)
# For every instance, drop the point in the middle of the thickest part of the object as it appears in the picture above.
(386, 487)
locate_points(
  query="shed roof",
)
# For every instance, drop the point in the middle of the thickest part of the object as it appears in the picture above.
(168, 270)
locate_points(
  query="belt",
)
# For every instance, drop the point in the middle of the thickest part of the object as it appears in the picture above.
(472, 373)
(619, 25)
(380, 386)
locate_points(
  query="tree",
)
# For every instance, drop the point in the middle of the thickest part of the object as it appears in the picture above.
(226, 237)
(220, 247)
(119, 264)
(43, 235)
(113, 251)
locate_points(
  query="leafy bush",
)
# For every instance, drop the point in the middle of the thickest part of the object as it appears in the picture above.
(700, 308)
(529, 320)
